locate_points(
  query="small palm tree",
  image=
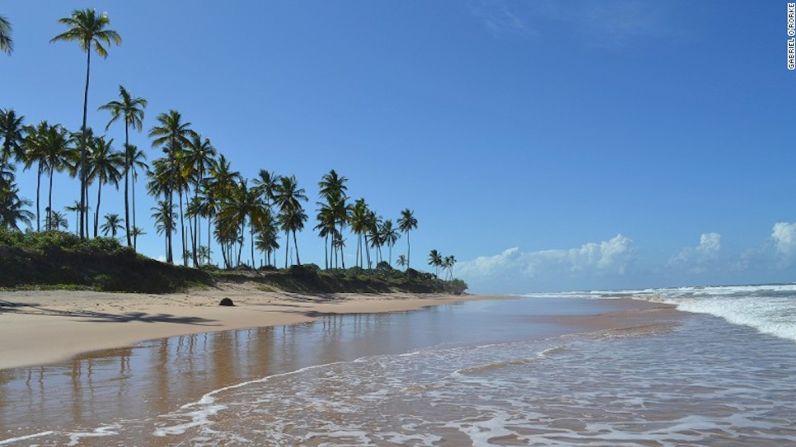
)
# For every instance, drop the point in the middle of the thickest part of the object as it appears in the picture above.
(163, 214)
(407, 223)
(75, 208)
(6, 43)
(131, 110)
(135, 159)
(435, 260)
(89, 30)
(402, 261)
(288, 197)
(56, 221)
(112, 225)
(135, 232)
(56, 155)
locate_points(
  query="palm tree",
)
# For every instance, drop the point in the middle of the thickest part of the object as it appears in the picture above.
(407, 223)
(359, 220)
(75, 208)
(104, 165)
(268, 239)
(243, 203)
(199, 155)
(56, 155)
(57, 221)
(12, 208)
(374, 224)
(135, 159)
(12, 131)
(131, 110)
(163, 214)
(334, 189)
(112, 225)
(6, 43)
(34, 153)
(435, 260)
(326, 227)
(288, 197)
(402, 261)
(135, 232)
(161, 182)
(448, 264)
(89, 30)
(389, 235)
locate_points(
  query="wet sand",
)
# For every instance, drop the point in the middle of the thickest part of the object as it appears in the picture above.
(85, 397)
(40, 327)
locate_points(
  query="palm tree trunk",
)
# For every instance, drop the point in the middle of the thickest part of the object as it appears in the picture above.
(240, 249)
(135, 237)
(83, 186)
(182, 230)
(96, 214)
(408, 250)
(390, 245)
(295, 243)
(209, 232)
(126, 184)
(50, 201)
(251, 243)
(287, 245)
(170, 252)
(38, 185)
(326, 252)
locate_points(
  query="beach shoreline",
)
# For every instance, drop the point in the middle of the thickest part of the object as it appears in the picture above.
(39, 327)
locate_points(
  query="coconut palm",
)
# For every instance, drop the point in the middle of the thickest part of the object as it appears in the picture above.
(326, 227)
(407, 223)
(56, 154)
(161, 183)
(12, 131)
(135, 159)
(13, 208)
(112, 225)
(135, 232)
(334, 189)
(34, 154)
(447, 263)
(89, 30)
(267, 236)
(288, 197)
(199, 155)
(105, 166)
(6, 43)
(435, 260)
(56, 221)
(389, 236)
(75, 208)
(359, 220)
(131, 110)
(374, 236)
(402, 261)
(163, 214)
(243, 203)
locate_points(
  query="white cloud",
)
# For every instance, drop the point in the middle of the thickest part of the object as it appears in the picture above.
(592, 258)
(162, 258)
(784, 236)
(697, 259)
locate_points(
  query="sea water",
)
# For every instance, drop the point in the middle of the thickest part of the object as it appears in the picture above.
(484, 373)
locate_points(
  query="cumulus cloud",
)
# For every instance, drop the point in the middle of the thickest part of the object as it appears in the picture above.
(697, 259)
(593, 258)
(784, 236)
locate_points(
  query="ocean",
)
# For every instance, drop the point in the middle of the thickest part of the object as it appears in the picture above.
(583, 368)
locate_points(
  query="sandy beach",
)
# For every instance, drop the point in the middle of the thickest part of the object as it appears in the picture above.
(46, 326)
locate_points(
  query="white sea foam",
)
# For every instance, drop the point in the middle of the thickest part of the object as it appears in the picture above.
(771, 309)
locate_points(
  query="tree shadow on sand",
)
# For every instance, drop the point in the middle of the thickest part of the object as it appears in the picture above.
(102, 317)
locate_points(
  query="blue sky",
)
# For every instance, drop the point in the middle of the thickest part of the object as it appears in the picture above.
(549, 145)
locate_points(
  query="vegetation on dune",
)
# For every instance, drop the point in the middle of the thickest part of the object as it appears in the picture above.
(216, 214)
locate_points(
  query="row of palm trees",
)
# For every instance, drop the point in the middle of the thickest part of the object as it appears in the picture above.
(210, 196)
(444, 263)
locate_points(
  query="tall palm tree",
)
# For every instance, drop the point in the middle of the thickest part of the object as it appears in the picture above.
(288, 197)
(374, 235)
(334, 189)
(34, 153)
(131, 110)
(13, 208)
(104, 166)
(267, 238)
(447, 263)
(6, 43)
(56, 154)
(135, 159)
(389, 235)
(112, 225)
(89, 30)
(407, 223)
(326, 227)
(12, 131)
(242, 204)
(199, 155)
(360, 216)
(435, 260)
